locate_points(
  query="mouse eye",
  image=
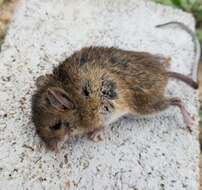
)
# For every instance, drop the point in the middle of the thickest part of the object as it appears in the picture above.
(57, 126)
(82, 60)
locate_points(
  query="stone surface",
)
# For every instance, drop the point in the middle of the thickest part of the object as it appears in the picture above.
(136, 154)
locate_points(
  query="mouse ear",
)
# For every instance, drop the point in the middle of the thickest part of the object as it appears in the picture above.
(59, 99)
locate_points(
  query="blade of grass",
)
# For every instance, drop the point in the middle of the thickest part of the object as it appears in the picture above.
(165, 2)
(198, 14)
(176, 2)
(192, 1)
(200, 116)
(199, 34)
(186, 5)
(1, 42)
(1, 2)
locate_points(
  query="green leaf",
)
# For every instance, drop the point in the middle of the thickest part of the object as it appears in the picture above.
(198, 15)
(1, 2)
(187, 5)
(192, 1)
(184, 4)
(196, 7)
(177, 3)
(199, 34)
(200, 116)
(165, 2)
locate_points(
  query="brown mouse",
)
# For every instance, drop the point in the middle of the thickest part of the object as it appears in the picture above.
(97, 85)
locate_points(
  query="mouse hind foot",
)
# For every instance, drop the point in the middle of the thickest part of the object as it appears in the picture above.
(188, 119)
(164, 103)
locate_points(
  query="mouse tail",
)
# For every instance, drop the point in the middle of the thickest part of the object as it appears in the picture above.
(183, 78)
(197, 47)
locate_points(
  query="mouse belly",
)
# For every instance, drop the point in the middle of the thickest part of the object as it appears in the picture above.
(112, 117)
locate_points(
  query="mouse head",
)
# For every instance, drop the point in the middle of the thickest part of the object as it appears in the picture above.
(53, 111)
(74, 101)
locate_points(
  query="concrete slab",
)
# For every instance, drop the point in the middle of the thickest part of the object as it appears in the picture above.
(136, 154)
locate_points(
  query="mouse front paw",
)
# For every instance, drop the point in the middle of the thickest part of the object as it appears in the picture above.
(97, 134)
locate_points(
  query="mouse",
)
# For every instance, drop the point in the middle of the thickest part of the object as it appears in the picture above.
(97, 85)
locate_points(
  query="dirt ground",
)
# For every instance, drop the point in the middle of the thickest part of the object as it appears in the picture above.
(7, 9)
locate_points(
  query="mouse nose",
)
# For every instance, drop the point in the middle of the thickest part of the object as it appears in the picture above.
(65, 125)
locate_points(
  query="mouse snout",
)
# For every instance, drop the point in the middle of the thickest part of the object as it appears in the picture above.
(66, 128)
